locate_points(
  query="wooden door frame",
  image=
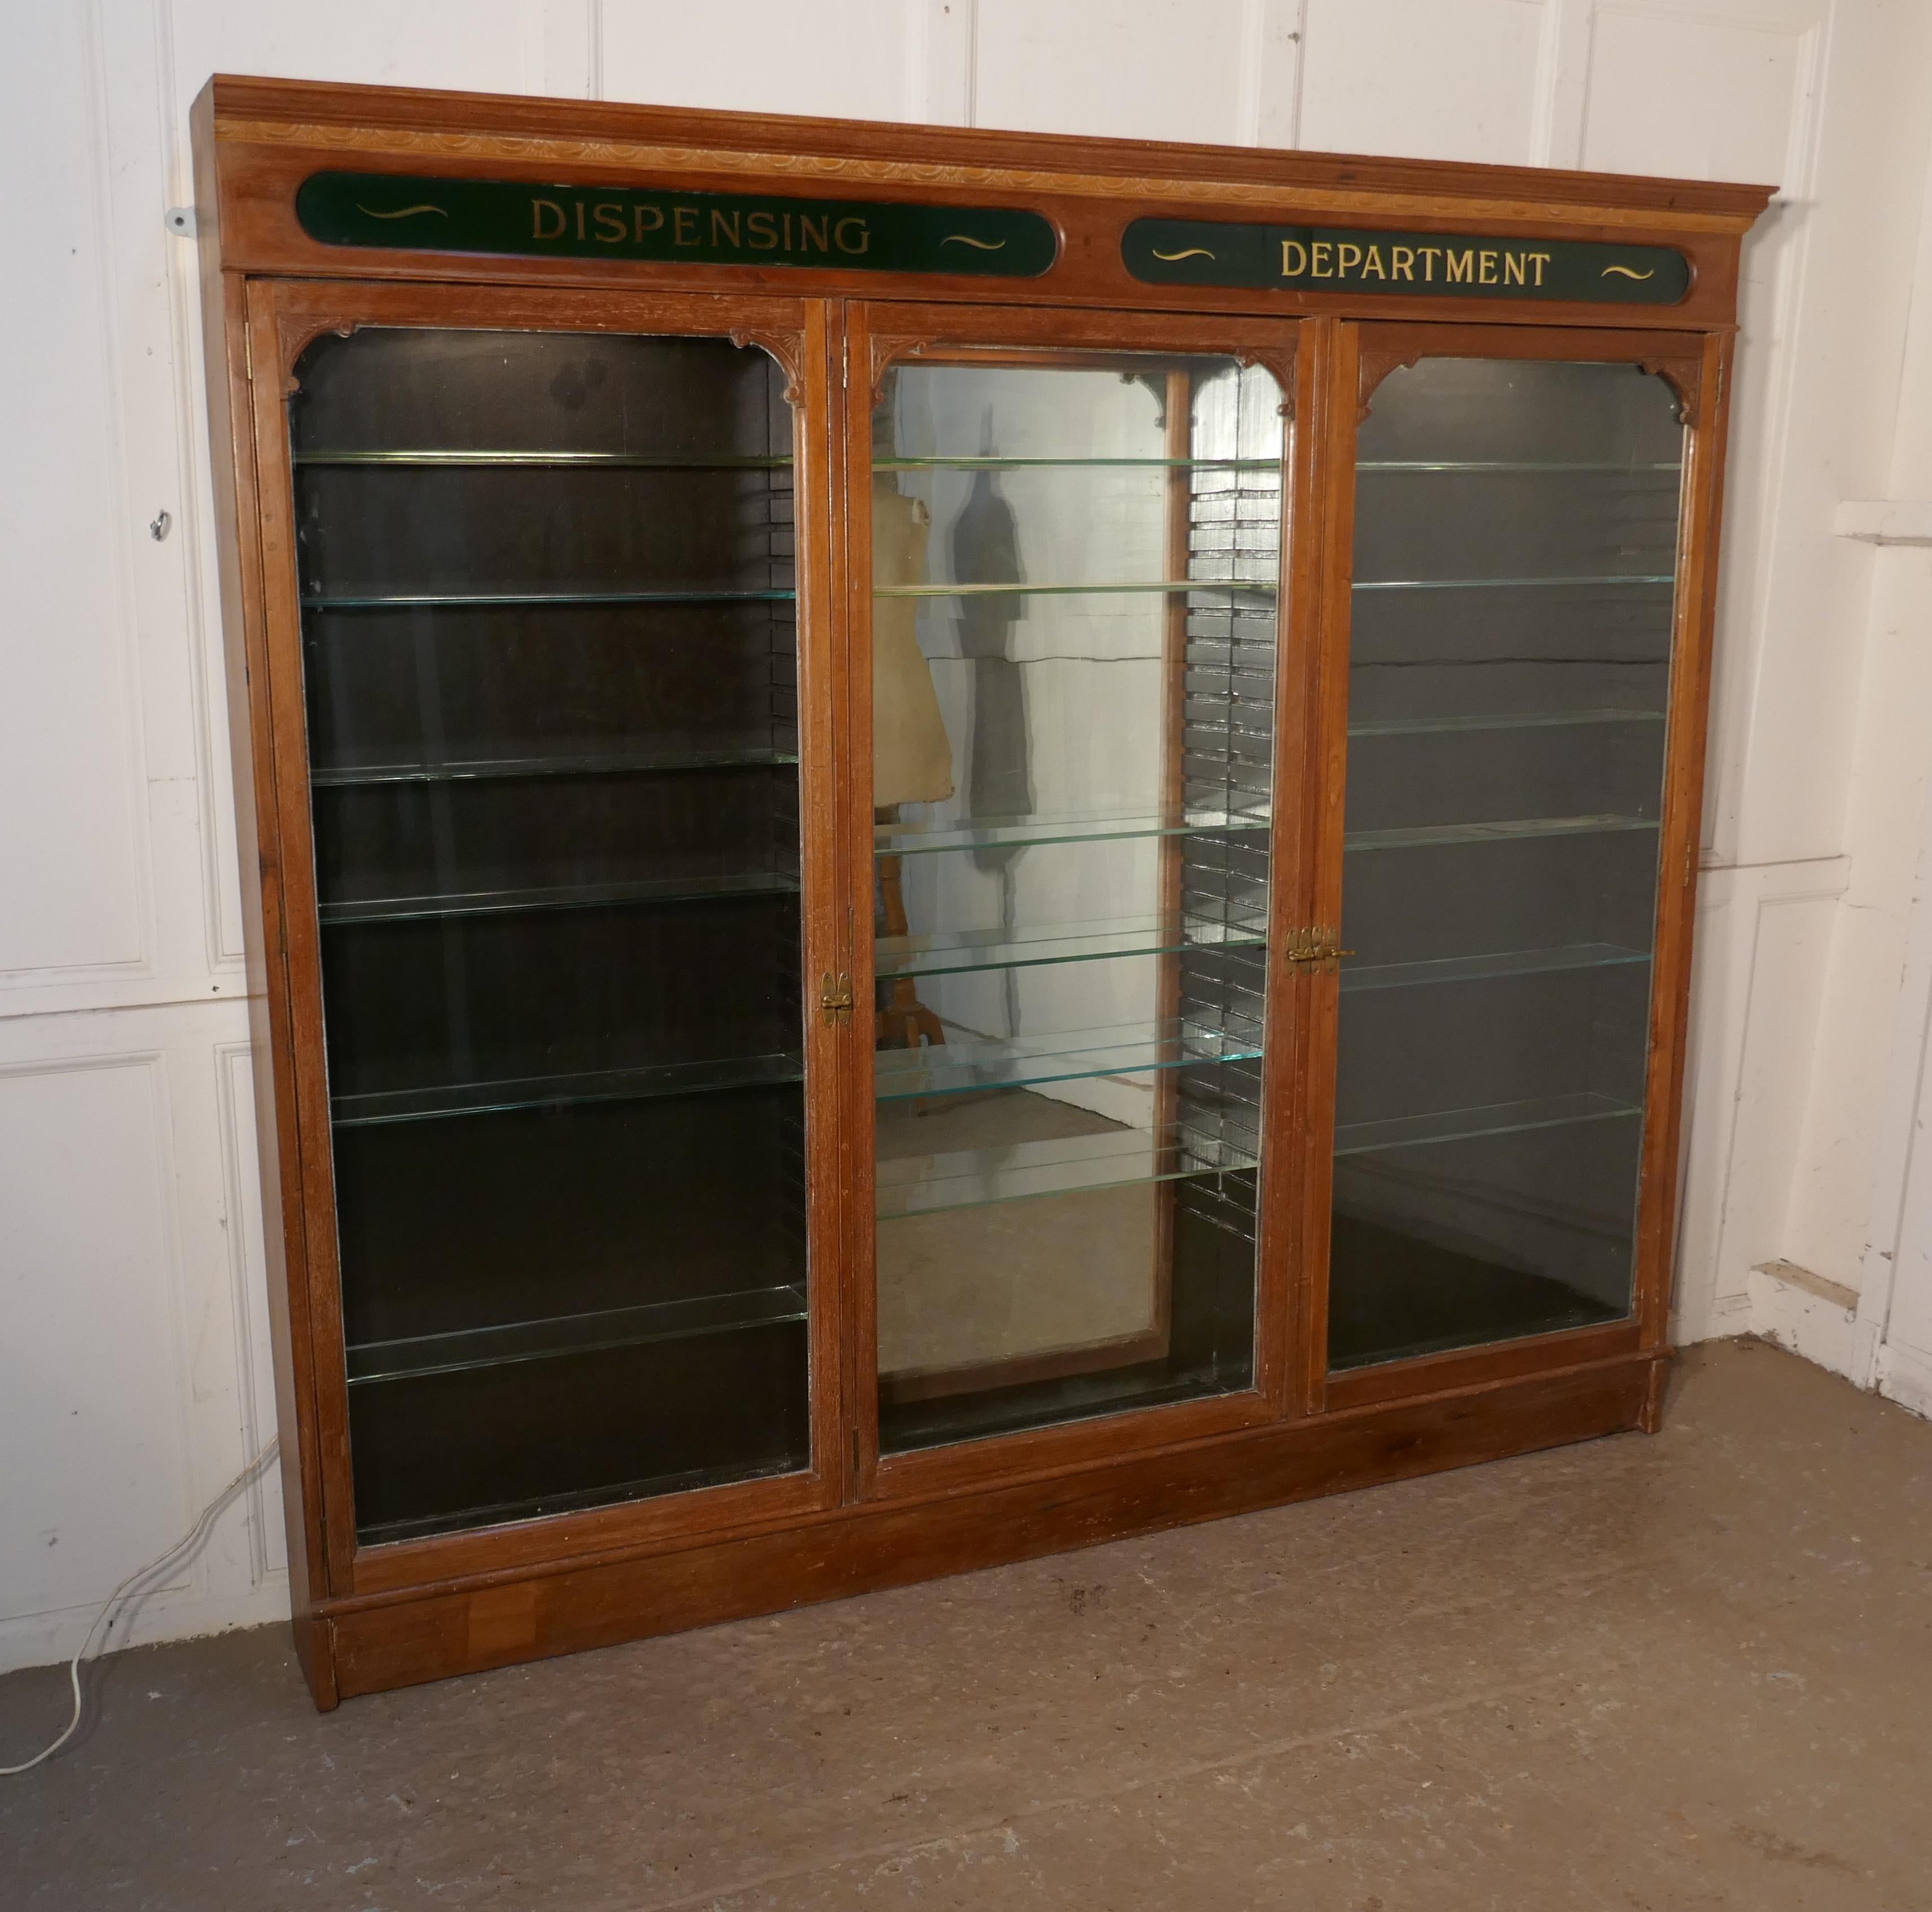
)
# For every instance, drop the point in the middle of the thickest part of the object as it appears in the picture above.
(1695, 365)
(282, 318)
(878, 334)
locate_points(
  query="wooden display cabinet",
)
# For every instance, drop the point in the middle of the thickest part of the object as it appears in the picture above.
(967, 842)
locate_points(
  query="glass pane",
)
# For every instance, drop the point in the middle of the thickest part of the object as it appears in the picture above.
(550, 657)
(1515, 548)
(1075, 569)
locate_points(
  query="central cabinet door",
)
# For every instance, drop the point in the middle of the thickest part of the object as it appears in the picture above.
(1073, 589)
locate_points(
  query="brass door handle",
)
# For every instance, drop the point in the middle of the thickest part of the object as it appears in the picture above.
(834, 998)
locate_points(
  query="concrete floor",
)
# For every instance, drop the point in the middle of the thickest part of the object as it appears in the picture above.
(1692, 1671)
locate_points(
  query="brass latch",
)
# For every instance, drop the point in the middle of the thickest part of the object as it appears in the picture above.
(834, 998)
(1314, 948)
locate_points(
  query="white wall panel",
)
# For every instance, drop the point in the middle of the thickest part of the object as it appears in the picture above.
(71, 779)
(89, 1406)
(1694, 98)
(1456, 80)
(483, 45)
(844, 57)
(1161, 69)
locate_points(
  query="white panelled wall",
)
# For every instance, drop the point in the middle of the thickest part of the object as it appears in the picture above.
(133, 1358)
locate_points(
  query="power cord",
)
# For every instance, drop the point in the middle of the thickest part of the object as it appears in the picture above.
(192, 1537)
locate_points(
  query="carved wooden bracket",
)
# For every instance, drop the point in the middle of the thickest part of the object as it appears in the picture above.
(1280, 363)
(886, 352)
(783, 346)
(1685, 378)
(296, 335)
(1376, 362)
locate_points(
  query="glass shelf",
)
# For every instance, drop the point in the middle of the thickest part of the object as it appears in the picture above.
(537, 1092)
(571, 1334)
(953, 951)
(622, 763)
(437, 600)
(988, 463)
(911, 839)
(1422, 727)
(1511, 829)
(969, 1178)
(1510, 464)
(548, 460)
(964, 1063)
(1483, 968)
(1500, 583)
(1357, 1138)
(1261, 587)
(566, 896)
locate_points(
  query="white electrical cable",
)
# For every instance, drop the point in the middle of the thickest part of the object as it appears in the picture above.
(160, 1561)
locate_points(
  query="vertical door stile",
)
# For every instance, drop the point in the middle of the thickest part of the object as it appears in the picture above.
(1708, 409)
(1324, 480)
(824, 951)
(314, 1287)
(861, 1437)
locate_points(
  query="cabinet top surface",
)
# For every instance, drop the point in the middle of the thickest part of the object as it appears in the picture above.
(260, 141)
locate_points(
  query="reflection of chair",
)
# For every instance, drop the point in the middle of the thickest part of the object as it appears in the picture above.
(900, 1020)
(912, 758)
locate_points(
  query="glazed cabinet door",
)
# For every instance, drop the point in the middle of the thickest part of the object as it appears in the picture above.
(1067, 572)
(1521, 697)
(546, 631)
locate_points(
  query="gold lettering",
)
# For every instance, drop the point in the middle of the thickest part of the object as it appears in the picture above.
(1293, 268)
(1486, 268)
(838, 235)
(1459, 267)
(684, 226)
(1542, 260)
(1513, 269)
(1402, 262)
(638, 228)
(1319, 257)
(538, 208)
(1346, 255)
(610, 223)
(1373, 264)
(717, 225)
(807, 238)
(764, 230)
(1430, 254)
(581, 233)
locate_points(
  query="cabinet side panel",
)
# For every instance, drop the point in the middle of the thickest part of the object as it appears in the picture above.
(224, 328)
(1709, 410)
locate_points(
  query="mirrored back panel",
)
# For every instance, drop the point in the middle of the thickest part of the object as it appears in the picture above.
(550, 662)
(1515, 571)
(1076, 579)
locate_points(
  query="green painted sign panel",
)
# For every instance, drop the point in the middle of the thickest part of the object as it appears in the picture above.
(1333, 259)
(518, 219)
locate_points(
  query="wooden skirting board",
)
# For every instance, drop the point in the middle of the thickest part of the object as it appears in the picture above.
(434, 1632)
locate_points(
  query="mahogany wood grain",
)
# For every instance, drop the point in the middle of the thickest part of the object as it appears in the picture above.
(1333, 396)
(270, 135)
(1478, 1366)
(433, 1632)
(371, 1617)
